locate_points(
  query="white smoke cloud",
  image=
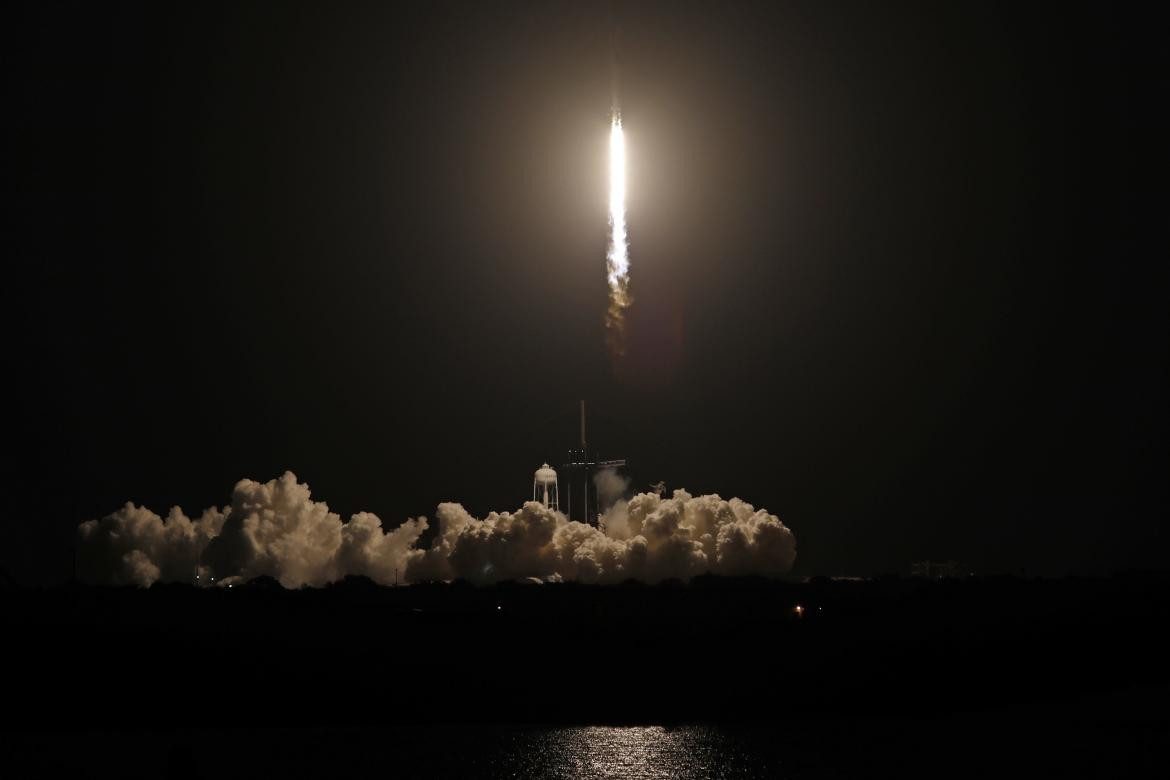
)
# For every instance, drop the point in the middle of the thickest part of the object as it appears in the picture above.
(134, 546)
(611, 487)
(276, 529)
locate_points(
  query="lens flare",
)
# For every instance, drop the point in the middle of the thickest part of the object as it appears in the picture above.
(617, 258)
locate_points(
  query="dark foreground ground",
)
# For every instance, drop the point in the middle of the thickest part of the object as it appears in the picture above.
(964, 677)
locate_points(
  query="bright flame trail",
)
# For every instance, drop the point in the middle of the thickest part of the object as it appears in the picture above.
(617, 259)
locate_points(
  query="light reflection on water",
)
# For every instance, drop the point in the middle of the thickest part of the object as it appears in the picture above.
(629, 752)
(425, 751)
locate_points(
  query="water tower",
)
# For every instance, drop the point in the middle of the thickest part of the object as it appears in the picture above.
(545, 488)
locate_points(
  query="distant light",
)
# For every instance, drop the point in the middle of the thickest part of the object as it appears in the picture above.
(799, 610)
(498, 606)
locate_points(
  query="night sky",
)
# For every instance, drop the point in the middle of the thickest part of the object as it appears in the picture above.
(898, 274)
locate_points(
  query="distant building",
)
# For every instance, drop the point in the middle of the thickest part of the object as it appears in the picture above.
(937, 570)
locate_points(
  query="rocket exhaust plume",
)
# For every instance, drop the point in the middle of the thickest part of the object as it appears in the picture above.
(617, 260)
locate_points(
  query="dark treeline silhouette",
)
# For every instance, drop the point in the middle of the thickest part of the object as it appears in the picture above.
(713, 649)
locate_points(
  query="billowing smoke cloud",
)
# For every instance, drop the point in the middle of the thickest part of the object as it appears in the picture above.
(276, 529)
(134, 546)
(611, 487)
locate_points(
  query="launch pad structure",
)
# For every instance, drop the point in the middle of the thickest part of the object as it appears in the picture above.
(580, 470)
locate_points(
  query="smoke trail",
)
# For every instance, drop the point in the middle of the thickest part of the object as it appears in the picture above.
(617, 261)
(276, 529)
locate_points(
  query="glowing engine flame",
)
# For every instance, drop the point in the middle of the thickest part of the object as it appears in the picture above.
(617, 259)
(619, 262)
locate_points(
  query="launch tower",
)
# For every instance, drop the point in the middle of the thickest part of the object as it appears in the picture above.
(580, 468)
